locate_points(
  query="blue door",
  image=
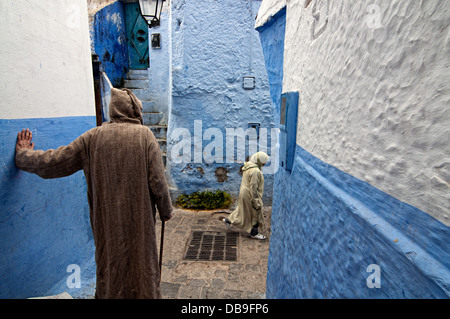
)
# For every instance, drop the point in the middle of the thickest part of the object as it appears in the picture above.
(137, 37)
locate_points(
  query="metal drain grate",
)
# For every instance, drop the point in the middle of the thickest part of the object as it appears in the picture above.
(213, 246)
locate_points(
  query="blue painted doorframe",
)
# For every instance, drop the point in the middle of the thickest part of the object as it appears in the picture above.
(137, 37)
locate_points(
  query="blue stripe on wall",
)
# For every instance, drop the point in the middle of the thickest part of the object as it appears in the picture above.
(272, 36)
(328, 227)
(44, 224)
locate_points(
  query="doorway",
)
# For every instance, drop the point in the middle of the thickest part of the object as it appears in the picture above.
(137, 37)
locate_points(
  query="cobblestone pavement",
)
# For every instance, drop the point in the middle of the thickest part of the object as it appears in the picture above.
(244, 278)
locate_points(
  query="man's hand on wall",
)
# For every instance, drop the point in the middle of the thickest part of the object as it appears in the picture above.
(24, 140)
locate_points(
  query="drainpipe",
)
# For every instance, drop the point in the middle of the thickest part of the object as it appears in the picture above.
(97, 67)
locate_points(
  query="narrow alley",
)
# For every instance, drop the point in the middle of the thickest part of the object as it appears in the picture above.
(242, 278)
(329, 120)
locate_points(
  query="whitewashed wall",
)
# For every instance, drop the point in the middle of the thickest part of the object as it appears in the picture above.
(45, 63)
(374, 91)
(46, 85)
(267, 10)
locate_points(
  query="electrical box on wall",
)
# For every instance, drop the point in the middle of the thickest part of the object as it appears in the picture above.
(156, 41)
(248, 82)
(288, 129)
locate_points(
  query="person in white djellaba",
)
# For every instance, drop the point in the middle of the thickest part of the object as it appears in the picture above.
(248, 213)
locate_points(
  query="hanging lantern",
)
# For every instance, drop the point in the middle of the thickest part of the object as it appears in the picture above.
(151, 11)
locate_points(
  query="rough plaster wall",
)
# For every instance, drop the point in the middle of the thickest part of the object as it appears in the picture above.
(267, 10)
(109, 41)
(374, 93)
(43, 64)
(44, 223)
(212, 48)
(159, 70)
(328, 226)
(325, 236)
(272, 43)
(93, 7)
(96, 5)
(215, 45)
(46, 85)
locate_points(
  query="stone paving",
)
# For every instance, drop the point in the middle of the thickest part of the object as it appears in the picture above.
(244, 278)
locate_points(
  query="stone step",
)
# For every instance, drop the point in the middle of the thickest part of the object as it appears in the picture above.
(162, 145)
(149, 107)
(152, 118)
(137, 74)
(135, 84)
(142, 94)
(160, 131)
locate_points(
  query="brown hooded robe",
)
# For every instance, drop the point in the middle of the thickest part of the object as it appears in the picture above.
(125, 180)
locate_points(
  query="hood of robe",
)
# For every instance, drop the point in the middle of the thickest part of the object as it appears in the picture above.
(125, 107)
(256, 160)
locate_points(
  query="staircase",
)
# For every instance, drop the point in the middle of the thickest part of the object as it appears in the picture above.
(137, 81)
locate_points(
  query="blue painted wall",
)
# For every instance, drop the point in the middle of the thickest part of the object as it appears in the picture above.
(159, 70)
(272, 42)
(44, 224)
(110, 41)
(328, 227)
(213, 47)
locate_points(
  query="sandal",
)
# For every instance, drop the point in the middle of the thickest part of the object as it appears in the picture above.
(259, 236)
(227, 223)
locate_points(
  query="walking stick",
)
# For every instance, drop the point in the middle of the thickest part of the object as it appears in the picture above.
(161, 248)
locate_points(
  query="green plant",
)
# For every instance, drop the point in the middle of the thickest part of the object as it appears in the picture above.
(205, 200)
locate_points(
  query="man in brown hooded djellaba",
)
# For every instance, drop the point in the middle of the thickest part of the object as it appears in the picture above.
(125, 180)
